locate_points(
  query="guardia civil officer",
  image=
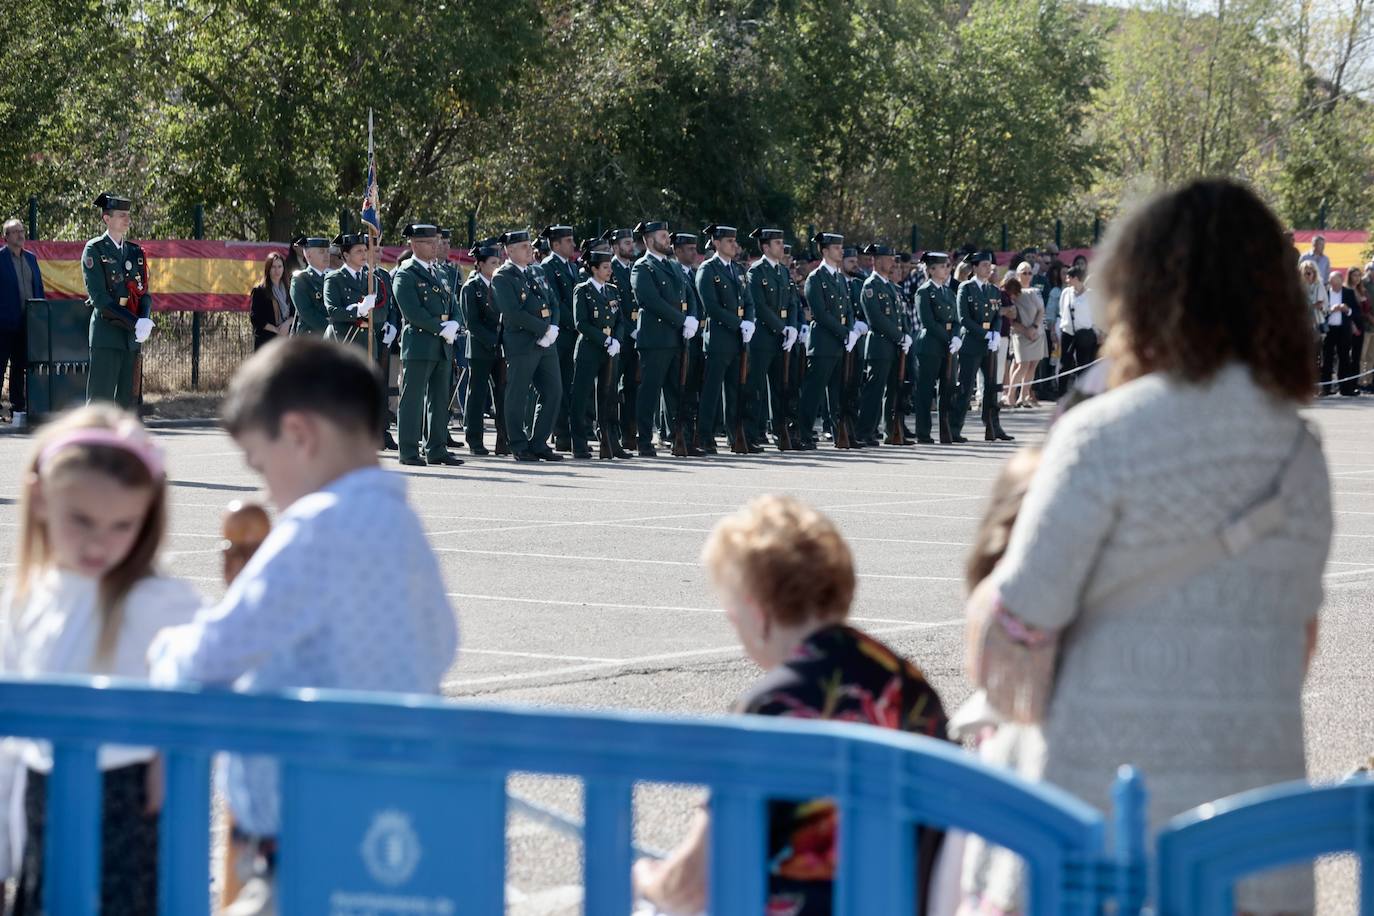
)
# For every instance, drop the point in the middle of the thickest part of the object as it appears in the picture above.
(886, 342)
(980, 306)
(770, 289)
(729, 312)
(686, 399)
(600, 329)
(426, 351)
(560, 275)
(940, 341)
(529, 328)
(665, 322)
(115, 272)
(833, 334)
(307, 285)
(476, 304)
(623, 247)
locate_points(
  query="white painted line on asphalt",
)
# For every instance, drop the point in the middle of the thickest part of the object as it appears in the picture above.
(692, 563)
(660, 657)
(468, 650)
(847, 536)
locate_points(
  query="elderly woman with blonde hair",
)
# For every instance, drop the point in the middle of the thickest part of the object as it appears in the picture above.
(786, 579)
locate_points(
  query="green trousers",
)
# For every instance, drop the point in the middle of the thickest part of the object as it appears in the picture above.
(934, 368)
(655, 366)
(480, 370)
(528, 376)
(589, 377)
(112, 376)
(722, 372)
(424, 391)
(878, 380)
(823, 378)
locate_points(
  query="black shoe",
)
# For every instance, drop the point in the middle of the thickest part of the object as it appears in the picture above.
(809, 445)
(647, 451)
(388, 443)
(924, 440)
(526, 456)
(583, 455)
(873, 443)
(447, 460)
(1003, 436)
(959, 440)
(479, 450)
(755, 449)
(694, 452)
(548, 455)
(562, 444)
(989, 436)
(909, 433)
(621, 453)
(452, 442)
(413, 462)
(708, 447)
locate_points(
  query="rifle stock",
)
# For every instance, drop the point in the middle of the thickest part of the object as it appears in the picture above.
(680, 424)
(603, 410)
(502, 441)
(739, 442)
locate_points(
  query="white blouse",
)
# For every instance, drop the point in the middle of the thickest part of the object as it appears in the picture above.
(57, 627)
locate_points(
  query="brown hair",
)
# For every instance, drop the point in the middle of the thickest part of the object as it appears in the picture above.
(306, 374)
(126, 468)
(1010, 285)
(785, 555)
(1004, 504)
(1201, 311)
(272, 256)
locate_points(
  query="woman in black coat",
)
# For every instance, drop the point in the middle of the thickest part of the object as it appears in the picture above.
(271, 312)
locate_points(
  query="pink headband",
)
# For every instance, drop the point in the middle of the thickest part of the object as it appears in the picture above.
(130, 437)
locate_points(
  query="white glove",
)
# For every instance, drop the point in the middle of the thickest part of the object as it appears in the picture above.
(143, 329)
(905, 342)
(861, 327)
(449, 331)
(388, 334)
(689, 327)
(634, 335)
(955, 344)
(804, 335)
(994, 341)
(553, 333)
(362, 308)
(746, 330)
(850, 341)
(789, 337)
(546, 340)
(613, 347)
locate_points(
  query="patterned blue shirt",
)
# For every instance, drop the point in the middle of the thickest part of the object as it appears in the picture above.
(307, 612)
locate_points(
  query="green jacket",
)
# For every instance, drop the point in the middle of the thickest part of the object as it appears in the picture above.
(770, 288)
(726, 301)
(597, 316)
(939, 317)
(663, 301)
(307, 297)
(561, 277)
(525, 313)
(423, 303)
(856, 289)
(881, 305)
(477, 305)
(832, 314)
(979, 313)
(107, 270)
(620, 276)
(342, 289)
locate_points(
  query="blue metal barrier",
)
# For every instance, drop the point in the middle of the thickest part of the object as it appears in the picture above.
(398, 803)
(1203, 852)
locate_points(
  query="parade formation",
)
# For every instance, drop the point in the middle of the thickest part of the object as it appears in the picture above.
(632, 341)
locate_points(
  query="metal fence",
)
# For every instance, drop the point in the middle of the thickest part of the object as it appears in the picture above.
(175, 361)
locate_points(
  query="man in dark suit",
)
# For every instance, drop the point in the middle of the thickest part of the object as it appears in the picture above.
(1338, 349)
(20, 281)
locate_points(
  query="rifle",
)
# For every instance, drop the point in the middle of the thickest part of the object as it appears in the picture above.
(895, 435)
(603, 412)
(680, 427)
(628, 426)
(946, 395)
(739, 443)
(781, 423)
(841, 416)
(502, 443)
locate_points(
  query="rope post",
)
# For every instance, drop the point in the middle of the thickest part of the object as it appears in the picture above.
(1059, 234)
(33, 217)
(472, 228)
(197, 232)
(915, 238)
(1005, 246)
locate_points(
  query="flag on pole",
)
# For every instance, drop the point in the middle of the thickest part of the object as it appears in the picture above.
(369, 208)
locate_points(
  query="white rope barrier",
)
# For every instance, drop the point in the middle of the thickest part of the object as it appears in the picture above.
(1348, 378)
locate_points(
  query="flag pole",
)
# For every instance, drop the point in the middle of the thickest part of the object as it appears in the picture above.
(374, 234)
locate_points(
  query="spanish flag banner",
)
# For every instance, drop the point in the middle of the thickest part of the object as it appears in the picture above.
(183, 275)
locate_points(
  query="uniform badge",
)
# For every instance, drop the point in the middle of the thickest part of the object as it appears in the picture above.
(868, 294)
(543, 313)
(90, 262)
(782, 314)
(128, 265)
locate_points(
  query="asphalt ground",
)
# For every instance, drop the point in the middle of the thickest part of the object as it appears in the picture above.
(578, 584)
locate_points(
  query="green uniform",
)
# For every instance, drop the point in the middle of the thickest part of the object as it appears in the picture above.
(343, 288)
(770, 289)
(979, 305)
(478, 308)
(425, 361)
(664, 304)
(726, 302)
(881, 308)
(561, 278)
(628, 362)
(108, 270)
(939, 325)
(832, 319)
(599, 320)
(525, 317)
(307, 297)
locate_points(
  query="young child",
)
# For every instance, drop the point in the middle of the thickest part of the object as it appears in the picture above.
(314, 607)
(86, 600)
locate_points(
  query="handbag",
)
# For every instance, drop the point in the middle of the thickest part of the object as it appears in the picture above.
(1015, 663)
